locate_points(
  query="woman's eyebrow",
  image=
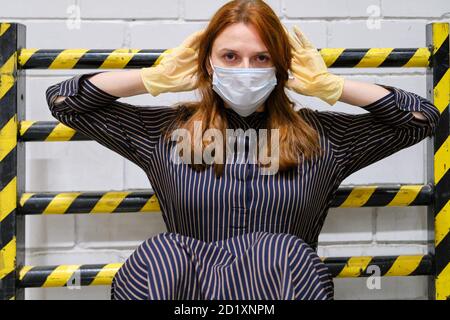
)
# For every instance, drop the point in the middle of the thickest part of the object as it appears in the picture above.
(235, 51)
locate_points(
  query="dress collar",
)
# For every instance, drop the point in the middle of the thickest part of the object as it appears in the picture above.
(254, 120)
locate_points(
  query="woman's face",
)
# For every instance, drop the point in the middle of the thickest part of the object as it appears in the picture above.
(239, 46)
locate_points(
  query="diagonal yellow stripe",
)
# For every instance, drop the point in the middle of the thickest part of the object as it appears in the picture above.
(8, 199)
(405, 195)
(67, 59)
(442, 223)
(421, 58)
(442, 161)
(61, 203)
(109, 202)
(60, 276)
(4, 27)
(25, 196)
(152, 205)
(442, 92)
(7, 75)
(404, 265)
(8, 137)
(359, 196)
(355, 266)
(61, 133)
(374, 57)
(25, 55)
(119, 58)
(165, 52)
(23, 271)
(106, 274)
(7, 258)
(443, 284)
(330, 55)
(24, 126)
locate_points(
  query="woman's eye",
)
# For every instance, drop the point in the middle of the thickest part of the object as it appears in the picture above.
(263, 58)
(229, 56)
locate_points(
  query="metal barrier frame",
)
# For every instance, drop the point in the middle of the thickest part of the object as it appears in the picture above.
(15, 203)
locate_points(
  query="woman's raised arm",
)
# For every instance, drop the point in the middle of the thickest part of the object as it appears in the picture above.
(396, 120)
(117, 83)
(358, 93)
(87, 103)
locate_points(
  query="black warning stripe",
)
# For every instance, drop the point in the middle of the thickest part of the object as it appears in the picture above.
(349, 58)
(442, 196)
(6, 290)
(9, 33)
(8, 168)
(37, 276)
(9, 99)
(89, 273)
(442, 56)
(381, 197)
(442, 250)
(7, 227)
(335, 265)
(341, 195)
(85, 201)
(92, 59)
(130, 203)
(398, 56)
(384, 264)
(444, 130)
(139, 59)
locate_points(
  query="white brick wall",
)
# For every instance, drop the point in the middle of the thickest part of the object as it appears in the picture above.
(162, 24)
(327, 9)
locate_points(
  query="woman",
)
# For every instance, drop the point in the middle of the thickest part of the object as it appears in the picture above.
(233, 232)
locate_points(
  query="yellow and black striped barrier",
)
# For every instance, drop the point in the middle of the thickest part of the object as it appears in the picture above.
(142, 201)
(345, 267)
(12, 160)
(438, 86)
(384, 266)
(136, 58)
(15, 131)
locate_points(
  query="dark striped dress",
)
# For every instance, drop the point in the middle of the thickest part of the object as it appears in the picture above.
(244, 235)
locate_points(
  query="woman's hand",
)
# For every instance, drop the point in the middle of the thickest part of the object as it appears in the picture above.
(310, 73)
(175, 68)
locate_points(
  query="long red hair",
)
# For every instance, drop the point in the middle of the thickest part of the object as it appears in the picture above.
(296, 136)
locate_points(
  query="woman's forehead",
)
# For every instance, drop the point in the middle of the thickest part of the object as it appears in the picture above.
(239, 37)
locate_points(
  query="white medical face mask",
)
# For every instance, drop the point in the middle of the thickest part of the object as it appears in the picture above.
(244, 89)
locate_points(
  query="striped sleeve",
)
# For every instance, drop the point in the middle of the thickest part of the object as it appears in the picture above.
(359, 140)
(129, 130)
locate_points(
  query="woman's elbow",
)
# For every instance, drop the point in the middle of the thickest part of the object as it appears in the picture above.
(51, 95)
(60, 111)
(433, 115)
(427, 115)
(59, 99)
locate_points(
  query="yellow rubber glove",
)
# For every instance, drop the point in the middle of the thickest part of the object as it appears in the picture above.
(310, 73)
(175, 69)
